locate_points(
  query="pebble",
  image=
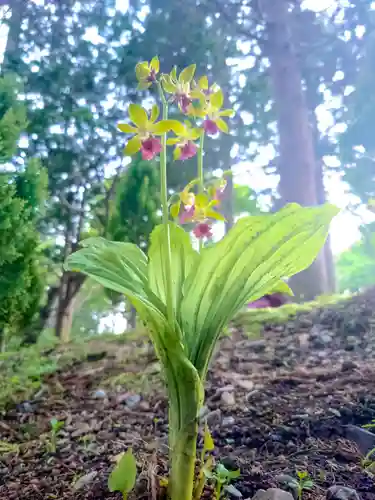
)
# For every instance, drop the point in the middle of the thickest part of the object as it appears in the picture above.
(130, 400)
(228, 399)
(99, 394)
(213, 417)
(272, 494)
(228, 421)
(82, 429)
(348, 366)
(248, 385)
(85, 480)
(338, 492)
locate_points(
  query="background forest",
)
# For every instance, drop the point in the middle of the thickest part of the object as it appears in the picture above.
(301, 76)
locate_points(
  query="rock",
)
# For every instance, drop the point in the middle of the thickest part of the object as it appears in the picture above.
(289, 483)
(128, 399)
(227, 398)
(348, 366)
(213, 417)
(99, 394)
(226, 388)
(364, 439)
(85, 480)
(82, 429)
(248, 385)
(228, 421)
(250, 395)
(272, 494)
(233, 491)
(338, 492)
(257, 345)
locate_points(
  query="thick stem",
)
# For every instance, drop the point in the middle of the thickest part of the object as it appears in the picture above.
(164, 202)
(183, 457)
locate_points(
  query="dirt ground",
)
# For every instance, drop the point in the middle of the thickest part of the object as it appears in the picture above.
(276, 405)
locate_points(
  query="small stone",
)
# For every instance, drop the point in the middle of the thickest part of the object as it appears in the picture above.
(213, 417)
(99, 394)
(338, 492)
(226, 388)
(82, 429)
(257, 345)
(272, 494)
(248, 385)
(348, 366)
(85, 480)
(227, 398)
(251, 394)
(128, 399)
(233, 491)
(228, 421)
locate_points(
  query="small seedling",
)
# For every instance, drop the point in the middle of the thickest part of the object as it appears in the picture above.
(222, 477)
(124, 475)
(371, 425)
(56, 426)
(368, 462)
(300, 484)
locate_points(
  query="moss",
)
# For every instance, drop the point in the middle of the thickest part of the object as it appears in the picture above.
(251, 321)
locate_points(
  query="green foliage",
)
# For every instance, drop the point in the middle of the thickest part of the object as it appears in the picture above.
(302, 483)
(356, 266)
(21, 196)
(208, 289)
(56, 426)
(124, 475)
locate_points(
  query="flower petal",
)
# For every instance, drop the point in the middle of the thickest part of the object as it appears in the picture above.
(168, 86)
(142, 70)
(227, 112)
(203, 82)
(155, 64)
(161, 127)
(187, 74)
(173, 140)
(143, 85)
(128, 129)
(217, 99)
(211, 214)
(178, 127)
(175, 209)
(176, 153)
(173, 73)
(133, 146)
(154, 113)
(138, 115)
(221, 124)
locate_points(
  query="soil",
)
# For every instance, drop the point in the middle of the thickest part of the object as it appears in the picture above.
(275, 405)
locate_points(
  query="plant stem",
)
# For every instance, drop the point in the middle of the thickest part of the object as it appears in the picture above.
(200, 175)
(164, 203)
(183, 457)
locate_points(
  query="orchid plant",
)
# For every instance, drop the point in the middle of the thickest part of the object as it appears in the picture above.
(186, 296)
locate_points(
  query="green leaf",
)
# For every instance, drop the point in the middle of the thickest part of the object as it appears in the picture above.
(208, 443)
(124, 475)
(246, 264)
(183, 260)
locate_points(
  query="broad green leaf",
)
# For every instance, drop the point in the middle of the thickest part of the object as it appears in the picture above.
(183, 259)
(187, 74)
(124, 474)
(246, 264)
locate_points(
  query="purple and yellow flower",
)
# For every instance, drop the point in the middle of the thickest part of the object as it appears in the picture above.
(180, 87)
(184, 142)
(212, 114)
(146, 73)
(146, 131)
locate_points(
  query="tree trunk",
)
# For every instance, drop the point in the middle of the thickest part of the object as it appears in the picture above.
(70, 285)
(297, 163)
(11, 53)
